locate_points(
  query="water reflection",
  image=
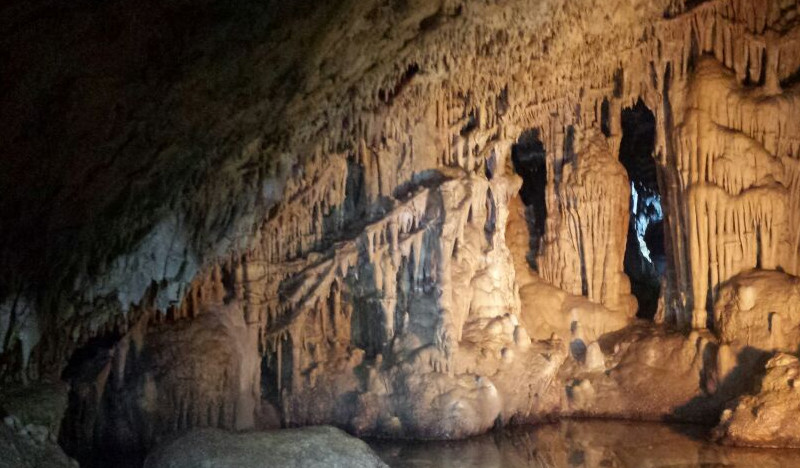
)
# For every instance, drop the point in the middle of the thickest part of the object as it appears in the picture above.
(573, 443)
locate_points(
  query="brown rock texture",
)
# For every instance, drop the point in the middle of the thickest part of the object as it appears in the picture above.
(769, 417)
(760, 309)
(235, 216)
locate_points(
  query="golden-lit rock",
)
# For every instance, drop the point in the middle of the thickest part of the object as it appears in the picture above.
(767, 418)
(403, 218)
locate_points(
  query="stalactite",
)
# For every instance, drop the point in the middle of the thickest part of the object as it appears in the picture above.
(735, 163)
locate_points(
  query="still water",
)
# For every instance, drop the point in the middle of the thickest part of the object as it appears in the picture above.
(573, 443)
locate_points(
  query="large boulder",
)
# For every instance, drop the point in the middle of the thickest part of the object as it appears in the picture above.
(768, 418)
(760, 309)
(310, 447)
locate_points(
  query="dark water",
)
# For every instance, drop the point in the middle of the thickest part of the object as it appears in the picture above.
(573, 443)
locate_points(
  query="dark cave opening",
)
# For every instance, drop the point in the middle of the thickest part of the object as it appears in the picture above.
(92, 355)
(276, 371)
(645, 257)
(528, 157)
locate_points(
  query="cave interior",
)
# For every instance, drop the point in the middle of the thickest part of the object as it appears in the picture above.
(238, 230)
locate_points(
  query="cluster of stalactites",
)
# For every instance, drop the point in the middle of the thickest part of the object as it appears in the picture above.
(407, 253)
(300, 226)
(729, 235)
(740, 34)
(736, 156)
(731, 30)
(746, 136)
(465, 112)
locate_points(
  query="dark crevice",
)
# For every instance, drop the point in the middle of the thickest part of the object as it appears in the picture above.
(690, 4)
(605, 118)
(528, 158)
(762, 75)
(429, 23)
(491, 217)
(569, 148)
(645, 255)
(791, 80)
(619, 82)
(388, 96)
(470, 126)
(97, 348)
(490, 166)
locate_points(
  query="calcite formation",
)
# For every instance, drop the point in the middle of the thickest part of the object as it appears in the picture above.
(768, 417)
(738, 175)
(759, 309)
(583, 249)
(327, 225)
(144, 376)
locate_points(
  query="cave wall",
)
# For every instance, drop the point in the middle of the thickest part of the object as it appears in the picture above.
(356, 253)
(743, 194)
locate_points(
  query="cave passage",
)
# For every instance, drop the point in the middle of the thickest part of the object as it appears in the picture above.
(645, 258)
(528, 157)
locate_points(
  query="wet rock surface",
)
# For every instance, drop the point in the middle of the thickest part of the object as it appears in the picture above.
(574, 443)
(767, 418)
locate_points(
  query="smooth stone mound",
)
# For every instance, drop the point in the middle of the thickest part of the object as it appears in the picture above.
(311, 447)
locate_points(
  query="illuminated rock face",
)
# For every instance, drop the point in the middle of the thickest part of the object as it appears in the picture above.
(736, 164)
(766, 419)
(765, 304)
(354, 250)
(584, 243)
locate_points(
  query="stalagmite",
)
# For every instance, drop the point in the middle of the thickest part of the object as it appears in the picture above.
(583, 247)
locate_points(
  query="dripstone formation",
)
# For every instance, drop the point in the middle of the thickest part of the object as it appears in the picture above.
(405, 219)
